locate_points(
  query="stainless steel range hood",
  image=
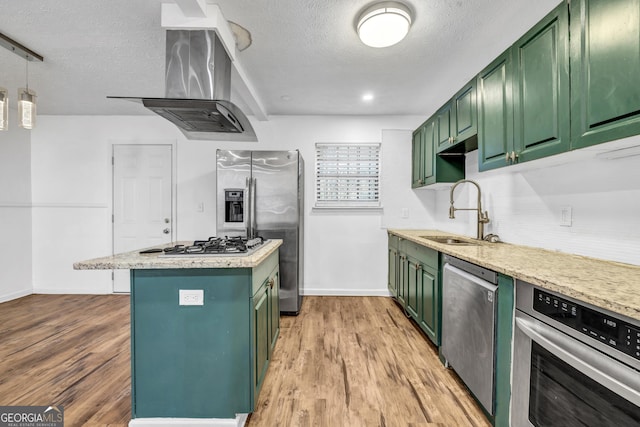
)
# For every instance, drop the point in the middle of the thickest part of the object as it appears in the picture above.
(197, 89)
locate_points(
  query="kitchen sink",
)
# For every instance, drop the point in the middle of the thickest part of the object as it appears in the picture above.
(450, 240)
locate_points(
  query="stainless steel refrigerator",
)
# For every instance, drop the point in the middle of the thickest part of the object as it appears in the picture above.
(261, 193)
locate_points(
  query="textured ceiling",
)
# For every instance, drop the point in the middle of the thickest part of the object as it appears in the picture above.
(305, 57)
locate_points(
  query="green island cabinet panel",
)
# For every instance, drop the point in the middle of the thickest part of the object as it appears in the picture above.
(605, 70)
(541, 88)
(495, 113)
(200, 361)
(274, 308)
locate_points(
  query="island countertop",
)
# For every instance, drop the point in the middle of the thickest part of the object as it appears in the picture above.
(136, 260)
(611, 285)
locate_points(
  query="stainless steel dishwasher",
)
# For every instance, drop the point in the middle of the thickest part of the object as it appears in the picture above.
(468, 326)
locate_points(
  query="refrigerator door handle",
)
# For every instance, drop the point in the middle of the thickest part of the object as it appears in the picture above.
(248, 208)
(254, 224)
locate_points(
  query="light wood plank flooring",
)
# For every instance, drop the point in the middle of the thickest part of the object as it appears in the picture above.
(344, 361)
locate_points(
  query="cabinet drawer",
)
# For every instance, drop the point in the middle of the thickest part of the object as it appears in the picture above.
(423, 254)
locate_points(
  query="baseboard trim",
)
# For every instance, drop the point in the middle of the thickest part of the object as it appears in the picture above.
(15, 295)
(53, 291)
(238, 421)
(346, 292)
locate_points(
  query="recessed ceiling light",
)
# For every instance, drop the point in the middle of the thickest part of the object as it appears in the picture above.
(367, 97)
(384, 24)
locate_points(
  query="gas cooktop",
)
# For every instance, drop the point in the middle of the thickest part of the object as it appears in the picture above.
(215, 246)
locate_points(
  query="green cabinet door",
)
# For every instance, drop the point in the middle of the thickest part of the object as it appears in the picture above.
(443, 127)
(262, 344)
(495, 113)
(541, 88)
(605, 70)
(429, 302)
(417, 159)
(428, 153)
(462, 117)
(274, 308)
(392, 279)
(403, 278)
(465, 119)
(413, 283)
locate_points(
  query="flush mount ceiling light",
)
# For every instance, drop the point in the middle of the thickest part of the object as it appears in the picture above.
(384, 24)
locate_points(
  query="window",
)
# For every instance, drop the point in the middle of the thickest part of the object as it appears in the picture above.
(347, 175)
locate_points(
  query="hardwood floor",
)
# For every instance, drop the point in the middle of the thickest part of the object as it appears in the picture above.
(344, 361)
(354, 361)
(70, 350)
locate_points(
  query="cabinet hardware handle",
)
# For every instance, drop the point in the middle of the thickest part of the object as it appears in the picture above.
(506, 158)
(271, 283)
(514, 156)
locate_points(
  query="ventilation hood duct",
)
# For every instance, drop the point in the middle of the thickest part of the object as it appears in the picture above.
(198, 88)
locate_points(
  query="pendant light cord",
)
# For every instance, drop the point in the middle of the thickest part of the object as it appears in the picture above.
(27, 75)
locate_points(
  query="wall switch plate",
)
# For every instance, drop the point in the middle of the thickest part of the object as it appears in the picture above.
(191, 297)
(566, 216)
(200, 207)
(405, 212)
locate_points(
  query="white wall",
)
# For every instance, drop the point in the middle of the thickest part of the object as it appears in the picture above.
(525, 202)
(15, 212)
(345, 252)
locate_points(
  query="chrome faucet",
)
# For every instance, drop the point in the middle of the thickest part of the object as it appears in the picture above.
(483, 218)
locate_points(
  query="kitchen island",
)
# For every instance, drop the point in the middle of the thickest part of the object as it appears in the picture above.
(203, 329)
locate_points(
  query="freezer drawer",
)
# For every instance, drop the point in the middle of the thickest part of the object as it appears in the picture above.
(468, 331)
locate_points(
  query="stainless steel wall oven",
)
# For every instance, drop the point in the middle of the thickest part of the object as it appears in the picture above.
(574, 364)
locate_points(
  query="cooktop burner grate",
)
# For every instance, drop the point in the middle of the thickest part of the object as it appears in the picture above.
(237, 246)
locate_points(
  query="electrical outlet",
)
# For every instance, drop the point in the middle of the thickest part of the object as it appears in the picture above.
(191, 297)
(566, 216)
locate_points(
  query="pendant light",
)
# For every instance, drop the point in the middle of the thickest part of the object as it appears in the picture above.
(4, 109)
(26, 96)
(26, 105)
(384, 24)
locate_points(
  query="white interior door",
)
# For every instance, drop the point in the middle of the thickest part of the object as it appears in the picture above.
(142, 201)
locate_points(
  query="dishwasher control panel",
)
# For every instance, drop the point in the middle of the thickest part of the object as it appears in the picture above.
(599, 326)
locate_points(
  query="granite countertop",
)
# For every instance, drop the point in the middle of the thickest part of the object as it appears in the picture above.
(611, 285)
(136, 260)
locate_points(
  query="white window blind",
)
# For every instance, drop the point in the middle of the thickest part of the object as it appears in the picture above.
(347, 175)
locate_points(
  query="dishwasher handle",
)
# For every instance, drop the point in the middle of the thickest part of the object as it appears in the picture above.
(614, 375)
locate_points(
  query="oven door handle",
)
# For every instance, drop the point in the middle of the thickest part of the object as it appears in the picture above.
(617, 377)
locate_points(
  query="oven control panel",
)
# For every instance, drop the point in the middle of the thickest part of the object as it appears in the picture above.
(602, 327)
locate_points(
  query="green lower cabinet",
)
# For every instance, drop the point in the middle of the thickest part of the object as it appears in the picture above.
(605, 65)
(274, 309)
(201, 361)
(417, 278)
(392, 276)
(429, 303)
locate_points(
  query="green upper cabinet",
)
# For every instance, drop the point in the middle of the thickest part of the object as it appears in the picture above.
(523, 97)
(443, 127)
(541, 88)
(495, 113)
(428, 168)
(605, 70)
(466, 116)
(457, 120)
(417, 158)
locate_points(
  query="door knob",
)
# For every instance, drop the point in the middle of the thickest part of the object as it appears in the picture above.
(166, 231)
